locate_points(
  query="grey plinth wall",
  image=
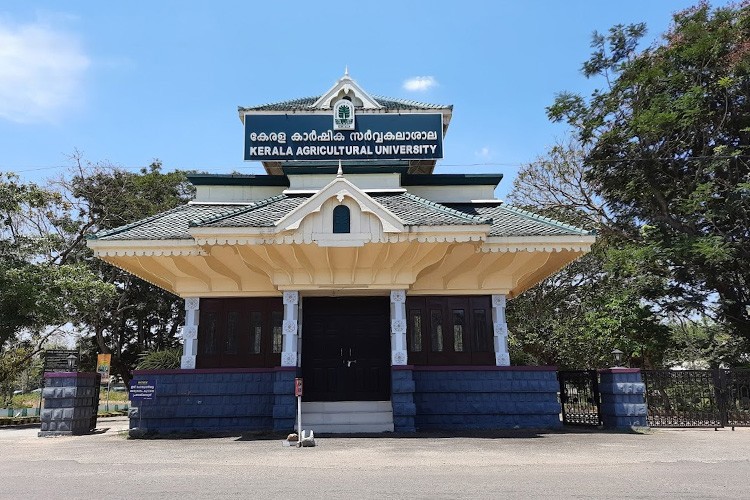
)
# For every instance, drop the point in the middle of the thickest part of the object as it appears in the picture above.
(402, 397)
(217, 401)
(623, 403)
(485, 397)
(70, 403)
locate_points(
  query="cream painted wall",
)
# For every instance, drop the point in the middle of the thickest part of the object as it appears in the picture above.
(307, 182)
(235, 194)
(320, 224)
(453, 194)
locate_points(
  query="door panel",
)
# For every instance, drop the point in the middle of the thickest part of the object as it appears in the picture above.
(346, 349)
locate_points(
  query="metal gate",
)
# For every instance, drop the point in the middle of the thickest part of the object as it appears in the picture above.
(737, 397)
(697, 398)
(579, 397)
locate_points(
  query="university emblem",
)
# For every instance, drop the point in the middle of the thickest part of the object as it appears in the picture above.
(343, 115)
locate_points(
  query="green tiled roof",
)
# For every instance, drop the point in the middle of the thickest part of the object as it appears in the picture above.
(305, 103)
(504, 220)
(508, 220)
(170, 225)
(264, 213)
(416, 211)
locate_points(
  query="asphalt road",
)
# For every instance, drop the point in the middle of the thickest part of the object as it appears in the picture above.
(659, 464)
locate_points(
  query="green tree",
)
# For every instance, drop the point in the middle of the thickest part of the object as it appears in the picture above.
(139, 316)
(39, 294)
(668, 137)
(607, 299)
(49, 279)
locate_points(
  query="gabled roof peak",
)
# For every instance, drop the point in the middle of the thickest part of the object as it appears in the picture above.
(346, 87)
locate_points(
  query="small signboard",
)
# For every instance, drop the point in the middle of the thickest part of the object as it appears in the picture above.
(298, 387)
(56, 360)
(141, 390)
(103, 363)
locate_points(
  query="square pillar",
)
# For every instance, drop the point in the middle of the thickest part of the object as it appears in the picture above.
(623, 398)
(399, 355)
(500, 329)
(190, 333)
(290, 329)
(71, 401)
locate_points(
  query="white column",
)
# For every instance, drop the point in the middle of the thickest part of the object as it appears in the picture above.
(289, 329)
(190, 333)
(500, 327)
(398, 328)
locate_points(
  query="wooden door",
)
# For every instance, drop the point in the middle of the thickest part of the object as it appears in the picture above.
(346, 348)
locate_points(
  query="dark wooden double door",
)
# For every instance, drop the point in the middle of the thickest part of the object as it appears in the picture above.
(346, 349)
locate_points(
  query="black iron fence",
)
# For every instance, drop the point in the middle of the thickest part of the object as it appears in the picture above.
(697, 398)
(579, 397)
(675, 398)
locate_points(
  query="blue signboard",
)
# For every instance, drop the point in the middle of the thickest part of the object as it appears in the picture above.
(142, 389)
(289, 137)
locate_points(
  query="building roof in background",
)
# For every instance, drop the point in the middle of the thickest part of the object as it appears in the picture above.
(306, 104)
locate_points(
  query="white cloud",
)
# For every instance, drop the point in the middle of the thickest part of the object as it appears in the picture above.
(485, 153)
(41, 71)
(420, 83)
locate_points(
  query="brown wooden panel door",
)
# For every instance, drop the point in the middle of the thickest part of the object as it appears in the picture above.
(450, 330)
(346, 348)
(240, 332)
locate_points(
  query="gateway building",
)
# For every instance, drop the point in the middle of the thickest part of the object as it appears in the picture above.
(352, 265)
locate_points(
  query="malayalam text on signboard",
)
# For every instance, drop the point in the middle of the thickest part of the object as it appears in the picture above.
(142, 389)
(289, 137)
(56, 360)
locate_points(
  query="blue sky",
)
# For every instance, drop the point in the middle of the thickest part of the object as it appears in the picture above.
(129, 82)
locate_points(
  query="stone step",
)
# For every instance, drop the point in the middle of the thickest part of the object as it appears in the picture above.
(347, 429)
(346, 406)
(348, 416)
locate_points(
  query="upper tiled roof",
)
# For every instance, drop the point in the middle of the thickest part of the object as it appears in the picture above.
(508, 220)
(170, 225)
(505, 220)
(264, 213)
(305, 103)
(416, 211)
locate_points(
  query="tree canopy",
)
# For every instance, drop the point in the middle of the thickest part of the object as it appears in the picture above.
(609, 298)
(667, 139)
(50, 280)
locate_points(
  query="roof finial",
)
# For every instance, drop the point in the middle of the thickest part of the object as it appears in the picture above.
(346, 71)
(340, 173)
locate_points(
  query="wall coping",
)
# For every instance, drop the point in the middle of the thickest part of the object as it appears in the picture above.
(474, 368)
(70, 375)
(619, 370)
(180, 371)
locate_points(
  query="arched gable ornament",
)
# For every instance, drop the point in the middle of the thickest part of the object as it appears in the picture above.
(340, 188)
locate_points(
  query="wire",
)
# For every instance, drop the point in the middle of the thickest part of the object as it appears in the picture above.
(24, 169)
(487, 164)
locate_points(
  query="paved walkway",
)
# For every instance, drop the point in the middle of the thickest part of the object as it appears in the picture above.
(659, 464)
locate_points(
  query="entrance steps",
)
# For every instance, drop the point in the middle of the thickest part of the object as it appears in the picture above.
(347, 417)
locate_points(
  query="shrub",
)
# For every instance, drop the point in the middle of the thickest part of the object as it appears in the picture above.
(168, 359)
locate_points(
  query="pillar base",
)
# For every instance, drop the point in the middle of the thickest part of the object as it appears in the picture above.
(623, 400)
(402, 397)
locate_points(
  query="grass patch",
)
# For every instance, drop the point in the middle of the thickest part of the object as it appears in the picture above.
(31, 399)
(28, 400)
(5, 421)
